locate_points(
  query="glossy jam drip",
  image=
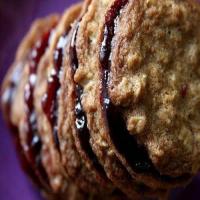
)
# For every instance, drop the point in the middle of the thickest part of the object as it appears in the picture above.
(33, 142)
(50, 99)
(81, 119)
(135, 154)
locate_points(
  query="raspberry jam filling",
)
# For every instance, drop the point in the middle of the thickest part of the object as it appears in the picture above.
(50, 98)
(33, 146)
(126, 145)
(81, 119)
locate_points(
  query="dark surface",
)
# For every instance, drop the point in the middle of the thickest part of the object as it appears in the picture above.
(15, 19)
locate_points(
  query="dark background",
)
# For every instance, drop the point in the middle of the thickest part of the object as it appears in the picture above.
(15, 19)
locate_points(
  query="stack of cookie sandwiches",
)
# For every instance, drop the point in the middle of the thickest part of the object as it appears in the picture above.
(103, 101)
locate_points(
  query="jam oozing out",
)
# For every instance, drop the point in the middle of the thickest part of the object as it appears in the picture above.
(7, 100)
(135, 154)
(33, 142)
(81, 119)
(50, 98)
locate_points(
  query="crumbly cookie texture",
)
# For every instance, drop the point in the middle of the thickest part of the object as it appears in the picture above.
(87, 75)
(84, 166)
(155, 78)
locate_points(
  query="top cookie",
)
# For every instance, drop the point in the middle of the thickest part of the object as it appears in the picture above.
(140, 86)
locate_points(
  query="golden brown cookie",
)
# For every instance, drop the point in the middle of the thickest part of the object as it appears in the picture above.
(45, 99)
(86, 46)
(124, 116)
(13, 99)
(76, 151)
(48, 89)
(28, 124)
